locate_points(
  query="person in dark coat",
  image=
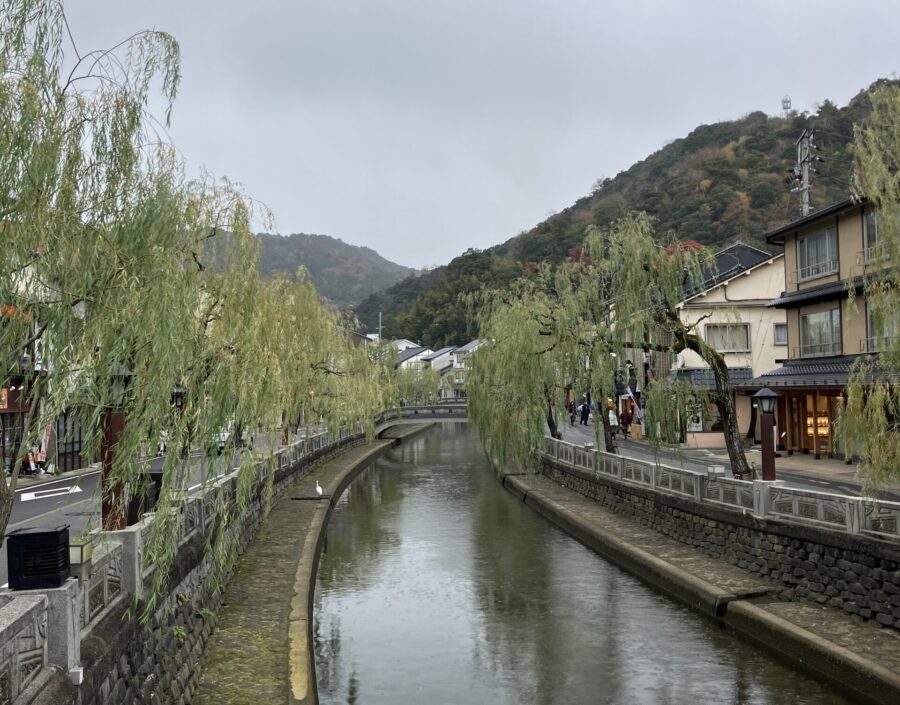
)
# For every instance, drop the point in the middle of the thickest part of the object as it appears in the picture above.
(625, 422)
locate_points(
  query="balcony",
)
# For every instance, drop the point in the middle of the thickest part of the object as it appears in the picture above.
(817, 350)
(871, 255)
(814, 271)
(879, 344)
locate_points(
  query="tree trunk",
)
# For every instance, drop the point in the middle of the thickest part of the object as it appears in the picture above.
(724, 401)
(551, 418)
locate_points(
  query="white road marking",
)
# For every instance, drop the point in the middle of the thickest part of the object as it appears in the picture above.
(72, 478)
(46, 494)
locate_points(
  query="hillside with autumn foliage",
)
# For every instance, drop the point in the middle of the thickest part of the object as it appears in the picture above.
(723, 182)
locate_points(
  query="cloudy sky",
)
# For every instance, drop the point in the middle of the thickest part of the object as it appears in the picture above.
(421, 128)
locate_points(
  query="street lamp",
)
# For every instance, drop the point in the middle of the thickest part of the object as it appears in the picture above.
(765, 400)
(178, 395)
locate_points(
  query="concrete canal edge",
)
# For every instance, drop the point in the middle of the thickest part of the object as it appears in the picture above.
(301, 664)
(813, 653)
(803, 649)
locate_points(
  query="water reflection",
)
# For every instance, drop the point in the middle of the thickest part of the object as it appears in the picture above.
(437, 586)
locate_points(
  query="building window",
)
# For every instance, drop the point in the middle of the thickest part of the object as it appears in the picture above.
(729, 337)
(873, 247)
(781, 334)
(817, 254)
(882, 330)
(820, 333)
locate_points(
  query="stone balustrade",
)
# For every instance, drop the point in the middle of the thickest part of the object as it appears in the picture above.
(831, 549)
(853, 515)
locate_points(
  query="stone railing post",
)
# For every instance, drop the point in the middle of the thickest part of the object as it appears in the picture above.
(762, 497)
(132, 556)
(854, 517)
(64, 626)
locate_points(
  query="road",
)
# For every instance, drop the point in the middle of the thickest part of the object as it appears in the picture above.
(74, 499)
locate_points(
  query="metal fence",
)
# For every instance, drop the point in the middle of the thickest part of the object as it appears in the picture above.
(853, 515)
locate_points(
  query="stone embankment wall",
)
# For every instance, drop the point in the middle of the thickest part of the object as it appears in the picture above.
(81, 645)
(853, 572)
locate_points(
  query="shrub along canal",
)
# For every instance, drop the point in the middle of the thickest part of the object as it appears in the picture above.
(436, 585)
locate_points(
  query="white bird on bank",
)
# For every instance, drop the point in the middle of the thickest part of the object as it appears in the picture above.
(319, 490)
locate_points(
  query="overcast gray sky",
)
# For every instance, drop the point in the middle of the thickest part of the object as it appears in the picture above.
(421, 128)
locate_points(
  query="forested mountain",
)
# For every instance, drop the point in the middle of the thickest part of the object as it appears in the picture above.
(723, 182)
(344, 274)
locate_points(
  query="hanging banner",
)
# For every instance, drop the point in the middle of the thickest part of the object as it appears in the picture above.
(45, 442)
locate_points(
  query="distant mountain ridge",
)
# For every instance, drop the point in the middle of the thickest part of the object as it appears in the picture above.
(343, 274)
(722, 182)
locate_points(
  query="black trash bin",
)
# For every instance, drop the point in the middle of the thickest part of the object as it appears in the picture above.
(38, 558)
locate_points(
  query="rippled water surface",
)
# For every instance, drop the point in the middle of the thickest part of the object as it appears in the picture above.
(437, 586)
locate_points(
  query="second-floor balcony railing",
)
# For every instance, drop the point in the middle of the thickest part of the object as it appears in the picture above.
(817, 349)
(879, 344)
(813, 271)
(871, 255)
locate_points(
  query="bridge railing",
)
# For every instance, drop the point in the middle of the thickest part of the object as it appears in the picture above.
(852, 515)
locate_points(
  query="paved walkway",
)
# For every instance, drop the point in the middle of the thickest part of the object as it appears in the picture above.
(248, 656)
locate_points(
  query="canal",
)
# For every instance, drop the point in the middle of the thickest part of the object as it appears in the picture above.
(435, 586)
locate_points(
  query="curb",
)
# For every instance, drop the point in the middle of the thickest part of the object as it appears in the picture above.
(699, 594)
(302, 679)
(839, 666)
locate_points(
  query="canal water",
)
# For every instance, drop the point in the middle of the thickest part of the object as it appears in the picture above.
(436, 586)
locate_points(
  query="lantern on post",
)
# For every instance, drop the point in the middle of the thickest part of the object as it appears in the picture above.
(178, 398)
(765, 400)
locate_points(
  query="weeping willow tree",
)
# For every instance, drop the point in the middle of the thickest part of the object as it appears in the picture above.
(127, 288)
(418, 385)
(579, 326)
(870, 419)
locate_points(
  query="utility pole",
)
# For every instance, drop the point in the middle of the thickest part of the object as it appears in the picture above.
(801, 169)
(379, 327)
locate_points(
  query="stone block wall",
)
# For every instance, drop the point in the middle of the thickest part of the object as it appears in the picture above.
(855, 573)
(129, 662)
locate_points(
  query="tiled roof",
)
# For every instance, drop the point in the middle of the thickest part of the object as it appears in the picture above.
(410, 352)
(778, 234)
(471, 345)
(813, 372)
(442, 351)
(703, 378)
(730, 262)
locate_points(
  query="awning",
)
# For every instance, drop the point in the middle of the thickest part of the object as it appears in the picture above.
(826, 292)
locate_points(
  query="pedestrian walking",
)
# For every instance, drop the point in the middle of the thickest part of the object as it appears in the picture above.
(625, 422)
(585, 413)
